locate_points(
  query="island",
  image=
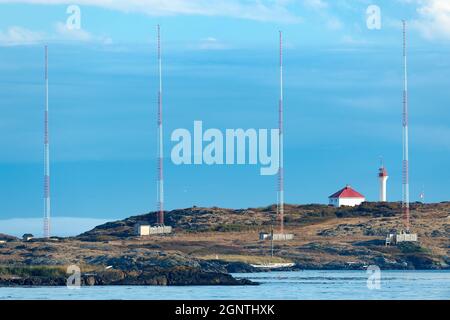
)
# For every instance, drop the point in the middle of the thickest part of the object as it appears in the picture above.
(208, 245)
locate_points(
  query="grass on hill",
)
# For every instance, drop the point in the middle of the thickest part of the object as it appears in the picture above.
(32, 271)
(245, 258)
(41, 271)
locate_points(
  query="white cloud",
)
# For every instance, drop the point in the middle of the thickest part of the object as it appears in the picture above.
(350, 40)
(434, 19)
(334, 23)
(315, 4)
(322, 9)
(72, 34)
(211, 43)
(260, 10)
(16, 35)
(65, 34)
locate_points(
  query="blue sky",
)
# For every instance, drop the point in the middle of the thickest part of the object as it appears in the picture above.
(343, 93)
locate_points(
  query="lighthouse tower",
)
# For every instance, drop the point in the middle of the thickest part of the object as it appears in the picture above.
(383, 176)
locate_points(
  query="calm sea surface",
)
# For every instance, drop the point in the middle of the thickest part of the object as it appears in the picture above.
(274, 285)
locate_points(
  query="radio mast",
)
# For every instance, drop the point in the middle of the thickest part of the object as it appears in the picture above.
(281, 141)
(160, 181)
(405, 166)
(46, 156)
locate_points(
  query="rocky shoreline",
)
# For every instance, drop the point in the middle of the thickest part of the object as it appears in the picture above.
(44, 263)
(144, 278)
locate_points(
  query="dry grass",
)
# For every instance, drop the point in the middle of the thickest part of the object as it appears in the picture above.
(245, 258)
(328, 240)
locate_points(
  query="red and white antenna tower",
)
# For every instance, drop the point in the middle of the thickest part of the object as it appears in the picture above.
(280, 127)
(405, 165)
(46, 157)
(160, 181)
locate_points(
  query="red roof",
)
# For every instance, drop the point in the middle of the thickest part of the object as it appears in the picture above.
(346, 192)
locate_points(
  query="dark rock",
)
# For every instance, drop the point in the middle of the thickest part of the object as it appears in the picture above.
(370, 243)
(89, 280)
(420, 262)
(7, 238)
(228, 267)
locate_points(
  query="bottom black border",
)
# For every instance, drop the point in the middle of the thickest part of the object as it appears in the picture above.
(220, 309)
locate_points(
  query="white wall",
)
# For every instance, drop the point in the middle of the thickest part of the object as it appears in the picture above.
(351, 202)
(143, 230)
(383, 180)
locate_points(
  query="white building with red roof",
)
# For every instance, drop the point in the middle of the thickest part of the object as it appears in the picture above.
(346, 197)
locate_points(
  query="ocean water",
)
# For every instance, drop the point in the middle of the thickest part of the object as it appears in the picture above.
(302, 285)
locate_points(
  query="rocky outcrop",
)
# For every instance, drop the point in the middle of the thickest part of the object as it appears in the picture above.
(7, 238)
(45, 264)
(176, 277)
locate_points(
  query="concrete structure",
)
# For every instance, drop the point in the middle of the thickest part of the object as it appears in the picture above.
(282, 236)
(142, 229)
(147, 230)
(276, 236)
(383, 176)
(393, 239)
(346, 197)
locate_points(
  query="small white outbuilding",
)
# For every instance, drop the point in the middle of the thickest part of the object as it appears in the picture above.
(346, 197)
(147, 230)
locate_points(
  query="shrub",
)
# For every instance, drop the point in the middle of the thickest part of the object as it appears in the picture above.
(32, 271)
(411, 247)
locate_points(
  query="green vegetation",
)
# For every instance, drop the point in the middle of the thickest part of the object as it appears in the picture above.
(373, 209)
(42, 270)
(32, 271)
(411, 247)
